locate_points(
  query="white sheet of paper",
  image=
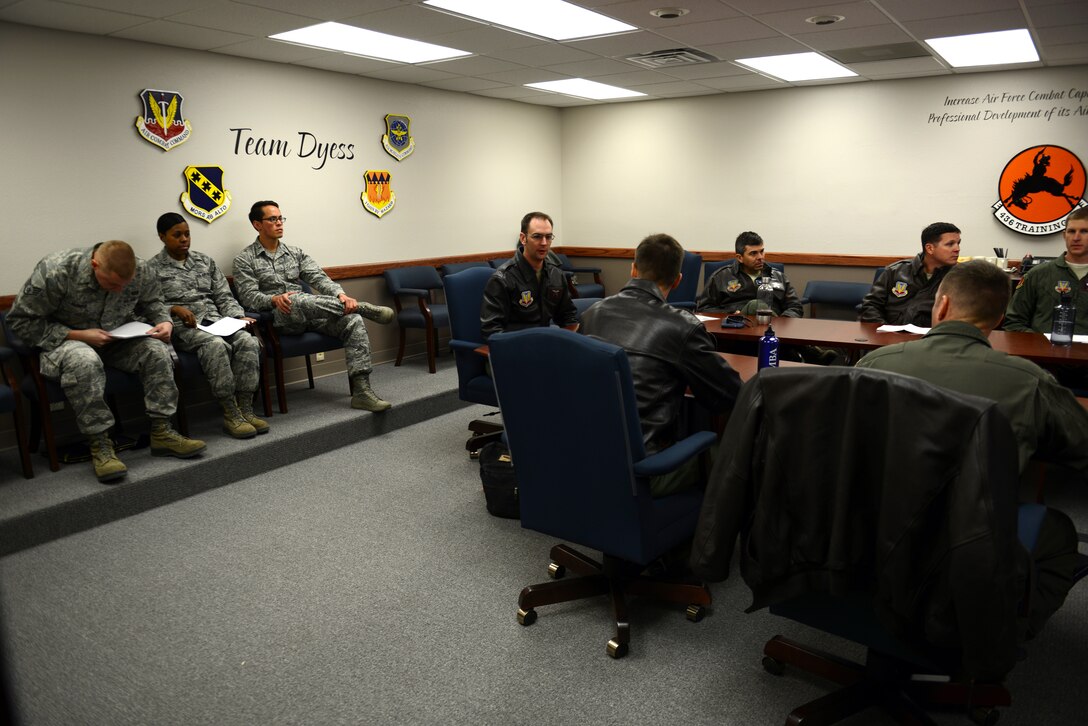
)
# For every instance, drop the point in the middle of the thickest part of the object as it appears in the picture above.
(130, 330)
(705, 318)
(1076, 338)
(224, 327)
(908, 328)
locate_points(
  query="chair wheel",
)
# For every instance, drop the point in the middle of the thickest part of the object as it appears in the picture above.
(695, 613)
(616, 649)
(984, 716)
(556, 571)
(474, 455)
(772, 666)
(526, 617)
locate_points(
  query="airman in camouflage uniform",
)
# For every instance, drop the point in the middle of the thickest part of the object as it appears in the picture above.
(269, 275)
(196, 292)
(66, 308)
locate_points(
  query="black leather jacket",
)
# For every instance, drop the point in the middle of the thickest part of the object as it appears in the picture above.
(730, 288)
(895, 487)
(902, 294)
(669, 350)
(514, 299)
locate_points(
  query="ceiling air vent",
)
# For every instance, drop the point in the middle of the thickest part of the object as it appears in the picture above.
(671, 58)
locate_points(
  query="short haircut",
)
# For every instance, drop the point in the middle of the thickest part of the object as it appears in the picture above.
(978, 290)
(116, 257)
(256, 212)
(659, 258)
(168, 221)
(932, 234)
(530, 217)
(1076, 215)
(748, 239)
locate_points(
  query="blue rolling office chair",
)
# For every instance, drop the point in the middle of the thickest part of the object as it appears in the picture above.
(452, 268)
(843, 296)
(683, 296)
(581, 304)
(709, 268)
(851, 531)
(11, 401)
(593, 489)
(464, 296)
(42, 391)
(418, 282)
(593, 289)
(498, 262)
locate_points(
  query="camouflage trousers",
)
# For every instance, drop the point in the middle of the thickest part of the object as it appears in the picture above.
(231, 365)
(325, 314)
(80, 370)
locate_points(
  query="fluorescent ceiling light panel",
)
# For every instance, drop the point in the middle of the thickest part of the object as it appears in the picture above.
(986, 49)
(581, 88)
(553, 19)
(357, 41)
(798, 67)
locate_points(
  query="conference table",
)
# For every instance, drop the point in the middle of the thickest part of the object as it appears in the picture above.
(858, 338)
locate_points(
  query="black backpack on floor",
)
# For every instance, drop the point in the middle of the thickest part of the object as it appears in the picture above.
(500, 483)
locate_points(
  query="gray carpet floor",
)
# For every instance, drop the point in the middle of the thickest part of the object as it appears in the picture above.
(368, 585)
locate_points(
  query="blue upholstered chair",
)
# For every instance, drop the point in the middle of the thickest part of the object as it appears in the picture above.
(418, 282)
(11, 401)
(41, 392)
(709, 268)
(593, 289)
(844, 296)
(683, 296)
(592, 488)
(452, 268)
(279, 346)
(464, 296)
(498, 262)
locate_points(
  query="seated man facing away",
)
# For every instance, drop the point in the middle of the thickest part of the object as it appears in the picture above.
(1047, 420)
(66, 308)
(529, 290)
(268, 275)
(732, 289)
(1032, 306)
(669, 351)
(196, 292)
(905, 290)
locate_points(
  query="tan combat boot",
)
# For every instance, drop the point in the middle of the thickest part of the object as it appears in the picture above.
(107, 467)
(377, 313)
(363, 396)
(167, 442)
(234, 423)
(245, 405)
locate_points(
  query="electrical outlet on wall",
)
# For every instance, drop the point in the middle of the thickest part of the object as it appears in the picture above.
(320, 357)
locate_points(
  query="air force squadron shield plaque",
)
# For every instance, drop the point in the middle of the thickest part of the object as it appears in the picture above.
(162, 122)
(398, 141)
(378, 198)
(205, 197)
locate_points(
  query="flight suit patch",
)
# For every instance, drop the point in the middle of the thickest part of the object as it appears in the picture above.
(900, 289)
(526, 299)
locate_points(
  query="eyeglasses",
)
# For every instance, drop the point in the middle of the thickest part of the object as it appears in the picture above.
(273, 220)
(538, 236)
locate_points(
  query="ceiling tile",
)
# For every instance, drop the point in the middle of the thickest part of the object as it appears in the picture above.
(900, 67)
(545, 54)
(483, 39)
(411, 21)
(244, 19)
(79, 19)
(525, 75)
(625, 44)
(411, 74)
(166, 32)
(718, 31)
(671, 87)
(1060, 15)
(856, 15)
(343, 63)
(637, 12)
(754, 7)
(634, 78)
(906, 10)
(1067, 54)
(270, 50)
(755, 48)
(966, 24)
(476, 65)
(465, 84)
(705, 70)
(598, 67)
(323, 9)
(1063, 35)
(854, 37)
(555, 99)
(141, 7)
(749, 82)
(508, 92)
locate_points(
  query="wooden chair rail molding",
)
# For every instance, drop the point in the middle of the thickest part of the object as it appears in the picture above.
(350, 272)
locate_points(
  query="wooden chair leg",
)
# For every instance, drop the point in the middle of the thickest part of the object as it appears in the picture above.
(309, 371)
(281, 388)
(400, 350)
(46, 423)
(431, 346)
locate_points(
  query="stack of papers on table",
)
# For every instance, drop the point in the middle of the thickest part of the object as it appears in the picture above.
(908, 328)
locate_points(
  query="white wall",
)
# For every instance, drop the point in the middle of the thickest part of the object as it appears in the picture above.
(855, 168)
(76, 172)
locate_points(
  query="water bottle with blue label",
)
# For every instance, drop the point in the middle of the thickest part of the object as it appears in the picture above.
(768, 349)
